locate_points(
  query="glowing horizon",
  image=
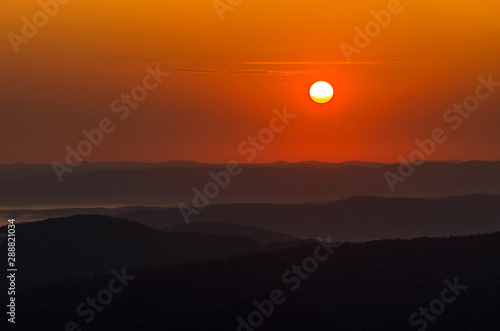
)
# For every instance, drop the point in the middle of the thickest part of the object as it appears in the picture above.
(394, 81)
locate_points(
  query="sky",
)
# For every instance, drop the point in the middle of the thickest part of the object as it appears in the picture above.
(229, 67)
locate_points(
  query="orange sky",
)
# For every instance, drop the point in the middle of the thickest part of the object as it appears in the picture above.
(227, 76)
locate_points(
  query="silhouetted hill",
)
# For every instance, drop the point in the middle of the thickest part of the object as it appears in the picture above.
(290, 183)
(352, 219)
(86, 245)
(371, 286)
(227, 229)
(30, 215)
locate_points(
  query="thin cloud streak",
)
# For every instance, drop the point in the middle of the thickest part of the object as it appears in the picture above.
(336, 62)
(242, 72)
(222, 71)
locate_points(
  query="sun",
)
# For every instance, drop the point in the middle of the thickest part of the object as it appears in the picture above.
(321, 92)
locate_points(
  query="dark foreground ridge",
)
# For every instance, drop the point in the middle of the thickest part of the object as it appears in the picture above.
(369, 286)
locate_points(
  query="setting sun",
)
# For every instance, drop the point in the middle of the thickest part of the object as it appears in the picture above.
(321, 92)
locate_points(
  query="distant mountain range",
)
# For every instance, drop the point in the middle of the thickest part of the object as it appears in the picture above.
(351, 219)
(11, 172)
(171, 183)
